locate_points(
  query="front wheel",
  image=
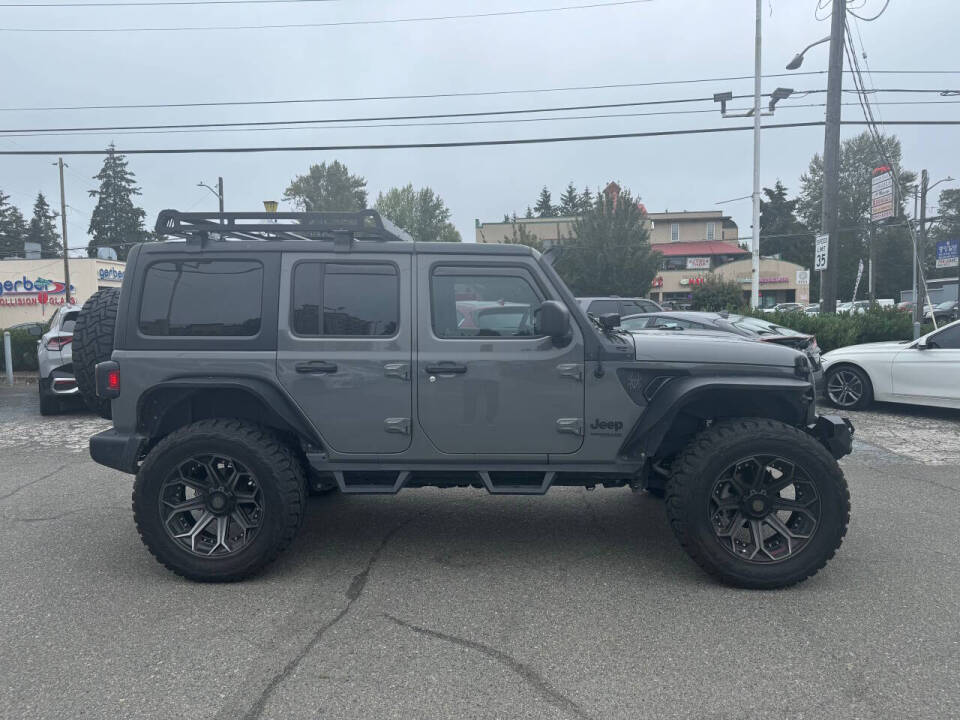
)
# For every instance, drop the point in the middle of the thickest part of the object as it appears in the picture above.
(218, 500)
(758, 503)
(848, 388)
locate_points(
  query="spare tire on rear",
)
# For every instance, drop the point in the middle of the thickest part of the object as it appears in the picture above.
(93, 343)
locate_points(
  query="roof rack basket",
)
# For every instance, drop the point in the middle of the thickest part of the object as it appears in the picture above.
(341, 227)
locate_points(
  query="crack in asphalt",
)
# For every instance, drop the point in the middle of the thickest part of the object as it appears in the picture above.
(63, 514)
(531, 676)
(353, 593)
(32, 482)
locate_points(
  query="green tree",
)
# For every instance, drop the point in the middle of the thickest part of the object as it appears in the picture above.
(529, 213)
(858, 157)
(116, 221)
(569, 202)
(586, 201)
(948, 226)
(781, 233)
(544, 207)
(328, 187)
(609, 251)
(43, 229)
(13, 230)
(520, 235)
(716, 294)
(422, 213)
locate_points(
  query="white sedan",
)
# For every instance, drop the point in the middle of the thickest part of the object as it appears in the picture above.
(919, 372)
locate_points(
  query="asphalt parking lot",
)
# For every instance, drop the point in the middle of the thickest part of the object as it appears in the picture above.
(457, 604)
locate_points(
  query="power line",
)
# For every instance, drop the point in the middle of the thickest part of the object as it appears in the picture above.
(385, 118)
(281, 126)
(335, 23)
(425, 96)
(459, 143)
(153, 3)
(871, 19)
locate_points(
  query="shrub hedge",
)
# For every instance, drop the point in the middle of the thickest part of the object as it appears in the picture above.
(836, 331)
(23, 347)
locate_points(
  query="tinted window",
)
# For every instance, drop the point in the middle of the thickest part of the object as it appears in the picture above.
(673, 322)
(69, 321)
(202, 298)
(482, 305)
(345, 300)
(632, 307)
(602, 307)
(637, 323)
(948, 339)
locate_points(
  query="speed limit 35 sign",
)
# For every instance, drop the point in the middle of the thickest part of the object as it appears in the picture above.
(820, 252)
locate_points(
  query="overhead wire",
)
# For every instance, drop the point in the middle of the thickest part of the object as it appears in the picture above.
(335, 23)
(157, 3)
(886, 4)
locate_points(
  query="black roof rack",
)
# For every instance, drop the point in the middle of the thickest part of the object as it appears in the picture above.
(342, 227)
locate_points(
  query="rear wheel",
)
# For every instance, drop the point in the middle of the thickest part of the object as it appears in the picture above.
(218, 500)
(93, 343)
(758, 503)
(848, 387)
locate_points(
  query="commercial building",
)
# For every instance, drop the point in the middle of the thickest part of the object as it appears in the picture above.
(32, 290)
(694, 245)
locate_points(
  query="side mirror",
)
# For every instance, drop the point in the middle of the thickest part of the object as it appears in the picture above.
(552, 319)
(610, 321)
(921, 345)
(35, 331)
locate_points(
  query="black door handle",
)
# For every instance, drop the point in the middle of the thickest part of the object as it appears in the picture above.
(316, 367)
(446, 368)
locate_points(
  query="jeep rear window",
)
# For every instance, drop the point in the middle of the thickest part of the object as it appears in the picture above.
(206, 298)
(356, 300)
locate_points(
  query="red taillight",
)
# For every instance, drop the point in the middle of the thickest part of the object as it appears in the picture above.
(59, 342)
(113, 379)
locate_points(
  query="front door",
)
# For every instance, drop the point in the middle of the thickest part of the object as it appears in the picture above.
(487, 384)
(933, 372)
(344, 348)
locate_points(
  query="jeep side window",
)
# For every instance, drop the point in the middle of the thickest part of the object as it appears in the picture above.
(478, 305)
(345, 300)
(211, 298)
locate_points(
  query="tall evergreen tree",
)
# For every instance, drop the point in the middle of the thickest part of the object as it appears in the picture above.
(781, 233)
(859, 155)
(529, 213)
(544, 207)
(13, 230)
(116, 222)
(609, 252)
(569, 201)
(586, 200)
(43, 229)
(328, 187)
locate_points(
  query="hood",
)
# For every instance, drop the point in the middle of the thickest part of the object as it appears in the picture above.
(699, 346)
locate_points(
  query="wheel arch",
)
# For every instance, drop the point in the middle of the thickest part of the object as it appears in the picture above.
(685, 405)
(173, 404)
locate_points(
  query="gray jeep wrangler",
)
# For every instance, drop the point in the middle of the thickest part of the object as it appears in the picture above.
(259, 357)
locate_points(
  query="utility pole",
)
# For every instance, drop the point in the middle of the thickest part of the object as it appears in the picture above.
(63, 226)
(755, 243)
(831, 155)
(919, 244)
(220, 196)
(873, 256)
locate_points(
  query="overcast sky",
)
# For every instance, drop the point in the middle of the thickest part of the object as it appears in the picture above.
(653, 41)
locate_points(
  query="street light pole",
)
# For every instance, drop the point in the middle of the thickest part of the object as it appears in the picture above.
(755, 243)
(831, 156)
(63, 225)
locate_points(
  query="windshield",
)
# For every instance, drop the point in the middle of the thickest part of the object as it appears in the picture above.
(946, 305)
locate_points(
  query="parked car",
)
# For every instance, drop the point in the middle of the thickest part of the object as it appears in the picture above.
(598, 306)
(743, 325)
(812, 309)
(944, 312)
(57, 384)
(253, 360)
(858, 307)
(919, 372)
(785, 307)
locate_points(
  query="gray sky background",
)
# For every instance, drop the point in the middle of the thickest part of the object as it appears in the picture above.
(659, 40)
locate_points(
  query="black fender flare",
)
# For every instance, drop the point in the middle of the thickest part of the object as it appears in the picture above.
(268, 394)
(648, 433)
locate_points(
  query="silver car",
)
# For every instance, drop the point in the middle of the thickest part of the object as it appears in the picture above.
(55, 361)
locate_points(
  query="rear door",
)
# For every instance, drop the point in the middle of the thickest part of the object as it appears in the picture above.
(495, 387)
(344, 347)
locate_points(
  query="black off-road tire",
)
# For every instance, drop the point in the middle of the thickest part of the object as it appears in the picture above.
(93, 343)
(279, 473)
(725, 443)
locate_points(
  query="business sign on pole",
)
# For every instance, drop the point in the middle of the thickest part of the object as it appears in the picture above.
(948, 252)
(820, 252)
(882, 205)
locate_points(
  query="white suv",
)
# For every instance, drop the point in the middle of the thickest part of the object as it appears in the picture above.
(55, 360)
